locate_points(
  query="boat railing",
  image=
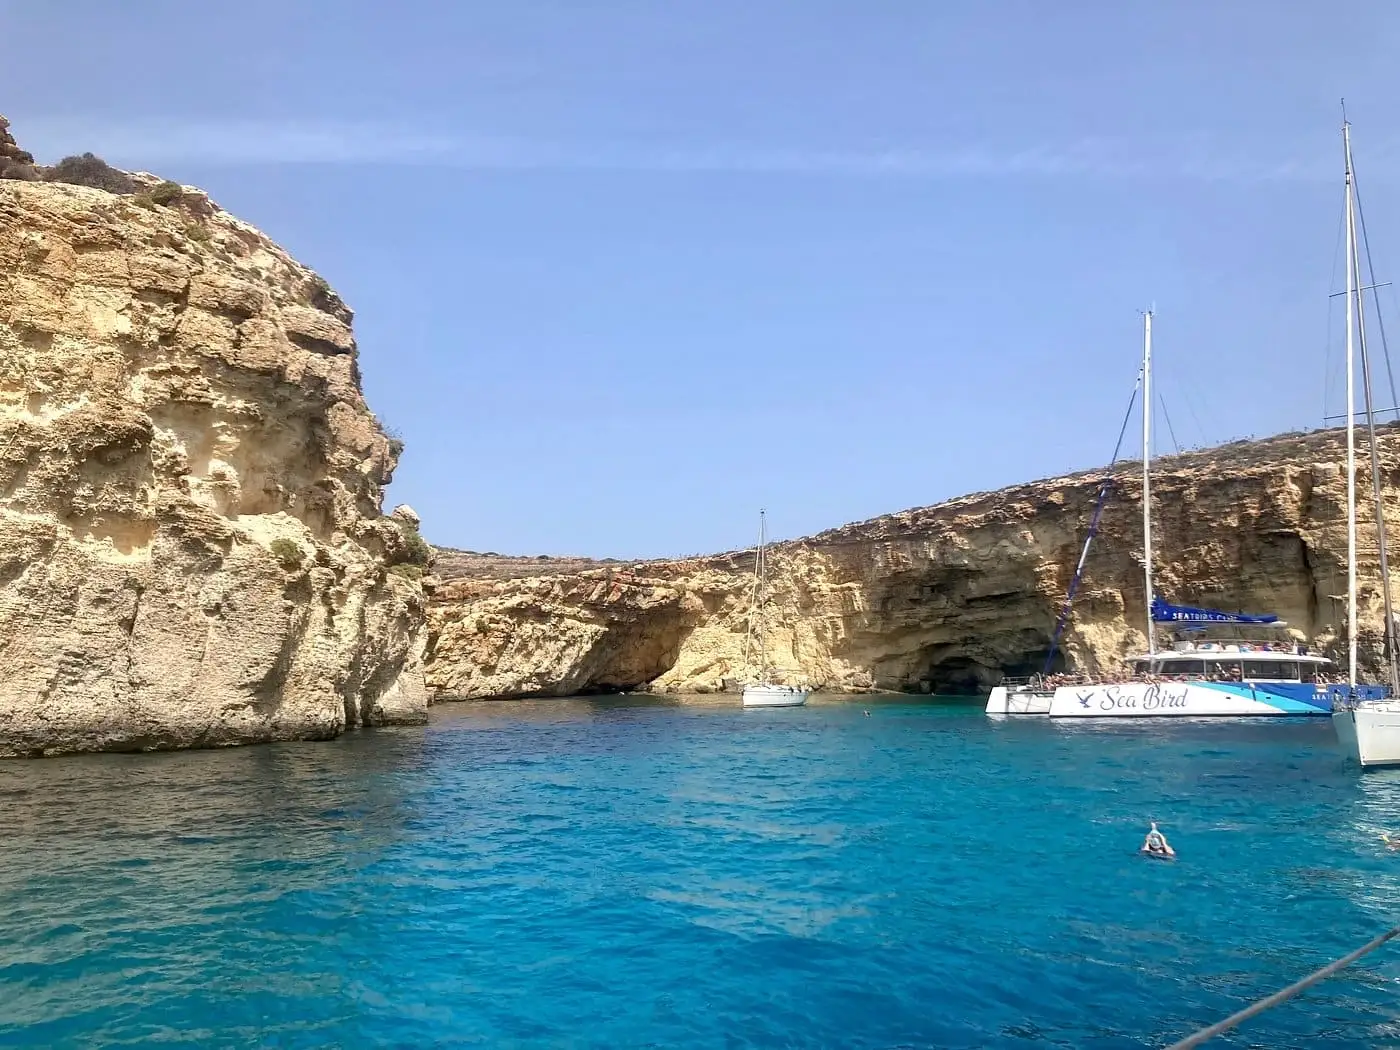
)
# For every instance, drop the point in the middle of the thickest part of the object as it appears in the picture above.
(1238, 645)
(1049, 683)
(1035, 683)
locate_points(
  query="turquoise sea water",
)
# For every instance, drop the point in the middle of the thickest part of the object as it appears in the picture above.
(629, 872)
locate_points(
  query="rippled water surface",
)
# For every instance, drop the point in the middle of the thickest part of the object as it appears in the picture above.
(638, 873)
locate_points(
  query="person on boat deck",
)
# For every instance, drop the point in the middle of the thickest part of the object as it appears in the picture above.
(1156, 842)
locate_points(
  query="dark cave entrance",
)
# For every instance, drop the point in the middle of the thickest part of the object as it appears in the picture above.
(602, 689)
(974, 670)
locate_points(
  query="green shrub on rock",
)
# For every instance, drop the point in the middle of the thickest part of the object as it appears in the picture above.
(90, 170)
(288, 554)
(167, 193)
(416, 549)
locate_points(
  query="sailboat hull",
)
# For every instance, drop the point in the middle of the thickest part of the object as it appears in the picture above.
(775, 696)
(1370, 733)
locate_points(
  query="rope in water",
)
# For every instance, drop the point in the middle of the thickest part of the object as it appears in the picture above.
(1197, 1038)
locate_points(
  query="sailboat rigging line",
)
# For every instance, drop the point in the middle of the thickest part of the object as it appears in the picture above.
(1343, 415)
(1364, 287)
(1162, 404)
(1187, 400)
(1221, 1027)
(1371, 269)
(1093, 531)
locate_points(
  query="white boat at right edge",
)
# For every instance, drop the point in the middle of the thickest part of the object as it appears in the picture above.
(1369, 731)
(1366, 718)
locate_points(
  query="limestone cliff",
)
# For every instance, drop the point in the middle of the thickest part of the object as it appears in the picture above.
(943, 597)
(192, 550)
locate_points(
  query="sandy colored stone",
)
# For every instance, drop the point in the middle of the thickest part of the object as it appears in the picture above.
(160, 430)
(938, 597)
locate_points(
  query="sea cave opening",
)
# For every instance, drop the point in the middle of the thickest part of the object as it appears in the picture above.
(959, 671)
(606, 689)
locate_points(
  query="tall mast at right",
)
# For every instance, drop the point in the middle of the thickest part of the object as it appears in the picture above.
(1351, 410)
(1372, 444)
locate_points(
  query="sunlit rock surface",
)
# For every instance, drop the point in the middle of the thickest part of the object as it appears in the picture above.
(191, 546)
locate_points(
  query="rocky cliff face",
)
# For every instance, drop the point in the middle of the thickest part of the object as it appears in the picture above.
(192, 551)
(943, 597)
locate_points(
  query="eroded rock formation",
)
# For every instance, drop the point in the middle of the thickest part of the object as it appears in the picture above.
(943, 597)
(192, 550)
(15, 163)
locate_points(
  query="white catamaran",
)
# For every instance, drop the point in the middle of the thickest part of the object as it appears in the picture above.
(1194, 676)
(761, 690)
(1367, 718)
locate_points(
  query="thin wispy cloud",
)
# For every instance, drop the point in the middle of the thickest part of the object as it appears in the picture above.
(150, 144)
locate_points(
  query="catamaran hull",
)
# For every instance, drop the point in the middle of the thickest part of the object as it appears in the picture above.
(1189, 700)
(775, 696)
(1011, 701)
(1370, 733)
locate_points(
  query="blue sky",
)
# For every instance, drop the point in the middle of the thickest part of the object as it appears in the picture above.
(626, 270)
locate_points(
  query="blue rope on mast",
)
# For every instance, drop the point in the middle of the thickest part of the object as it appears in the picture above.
(1093, 531)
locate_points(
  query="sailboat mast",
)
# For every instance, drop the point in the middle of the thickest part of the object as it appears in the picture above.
(1351, 411)
(1390, 647)
(760, 594)
(749, 638)
(1147, 476)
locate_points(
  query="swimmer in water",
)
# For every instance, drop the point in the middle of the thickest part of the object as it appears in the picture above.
(1156, 843)
(1390, 843)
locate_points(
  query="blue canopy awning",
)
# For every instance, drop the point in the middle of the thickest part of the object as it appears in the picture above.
(1165, 612)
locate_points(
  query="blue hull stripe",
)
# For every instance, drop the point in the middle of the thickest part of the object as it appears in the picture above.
(1292, 698)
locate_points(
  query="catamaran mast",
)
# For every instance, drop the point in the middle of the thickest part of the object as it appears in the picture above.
(1352, 282)
(1146, 476)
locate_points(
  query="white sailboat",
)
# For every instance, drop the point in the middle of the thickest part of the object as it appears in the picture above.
(1366, 718)
(762, 691)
